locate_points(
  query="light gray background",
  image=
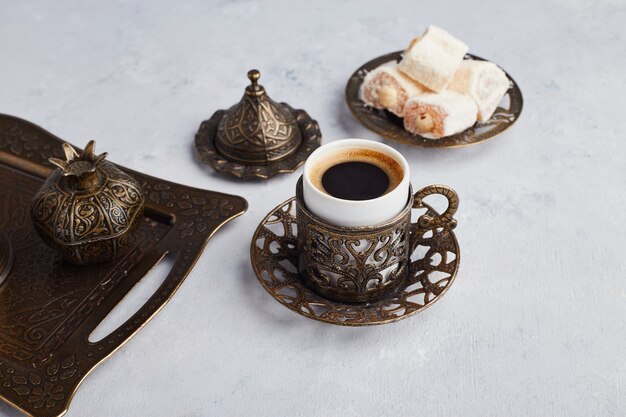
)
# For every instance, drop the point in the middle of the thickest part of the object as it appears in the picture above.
(535, 323)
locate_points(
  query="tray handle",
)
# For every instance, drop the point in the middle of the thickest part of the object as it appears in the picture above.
(129, 305)
(159, 297)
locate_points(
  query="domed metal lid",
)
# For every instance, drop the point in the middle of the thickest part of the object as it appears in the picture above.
(258, 130)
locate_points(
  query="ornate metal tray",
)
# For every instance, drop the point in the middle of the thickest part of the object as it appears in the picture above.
(391, 126)
(48, 309)
(434, 264)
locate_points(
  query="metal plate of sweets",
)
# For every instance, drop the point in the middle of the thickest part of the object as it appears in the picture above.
(391, 127)
(435, 258)
(49, 308)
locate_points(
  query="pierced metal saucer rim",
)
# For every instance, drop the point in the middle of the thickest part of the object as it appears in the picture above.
(389, 126)
(365, 314)
(210, 155)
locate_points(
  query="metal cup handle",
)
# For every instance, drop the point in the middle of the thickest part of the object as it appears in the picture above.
(444, 220)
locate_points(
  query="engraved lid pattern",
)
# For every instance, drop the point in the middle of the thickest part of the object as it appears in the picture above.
(258, 130)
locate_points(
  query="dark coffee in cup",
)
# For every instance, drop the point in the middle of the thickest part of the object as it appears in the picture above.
(357, 174)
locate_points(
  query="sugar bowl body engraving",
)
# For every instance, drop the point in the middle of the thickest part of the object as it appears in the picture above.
(88, 208)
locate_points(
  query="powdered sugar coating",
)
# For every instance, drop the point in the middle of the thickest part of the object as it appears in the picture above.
(432, 58)
(388, 88)
(439, 115)
(484, 82)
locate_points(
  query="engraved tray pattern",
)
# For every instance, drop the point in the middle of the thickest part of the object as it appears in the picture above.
(48, 309)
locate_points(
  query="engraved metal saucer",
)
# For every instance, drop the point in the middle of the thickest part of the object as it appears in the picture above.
(6, 257)
(391, 126)
(257, 137)
(434, 264)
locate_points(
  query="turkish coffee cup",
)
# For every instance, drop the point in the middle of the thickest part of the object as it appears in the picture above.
(354, 203)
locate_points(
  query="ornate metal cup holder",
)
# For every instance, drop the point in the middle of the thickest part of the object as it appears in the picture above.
(435, 258)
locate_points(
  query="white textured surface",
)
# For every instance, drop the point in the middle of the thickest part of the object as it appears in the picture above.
(535, 324)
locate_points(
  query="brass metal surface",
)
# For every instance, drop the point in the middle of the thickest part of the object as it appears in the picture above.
(48, 308)
(352, 264)
(391, 126)
(434, 262)
(257, 130)
(257, 137)
(87, 208)
(6, 256)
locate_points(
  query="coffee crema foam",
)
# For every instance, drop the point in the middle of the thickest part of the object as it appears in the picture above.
(387, 163)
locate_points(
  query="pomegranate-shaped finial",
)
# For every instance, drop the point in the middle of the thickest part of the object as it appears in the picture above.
(87, 208)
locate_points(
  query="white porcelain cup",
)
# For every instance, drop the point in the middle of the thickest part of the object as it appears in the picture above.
(354, 213)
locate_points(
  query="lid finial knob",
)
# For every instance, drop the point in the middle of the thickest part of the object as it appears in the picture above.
(254, 88)
(254, 76)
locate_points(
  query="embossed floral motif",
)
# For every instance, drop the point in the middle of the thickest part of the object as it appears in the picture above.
(22, 141)
(161, 193)
(47, 396)
(204, 211)
(45, 390)
(217, 208)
